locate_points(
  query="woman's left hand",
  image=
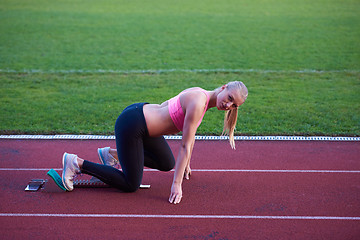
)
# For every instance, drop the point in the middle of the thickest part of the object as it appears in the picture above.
(187, 172)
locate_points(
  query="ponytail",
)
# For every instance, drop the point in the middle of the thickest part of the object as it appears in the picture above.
(230, 118)
(229, 125)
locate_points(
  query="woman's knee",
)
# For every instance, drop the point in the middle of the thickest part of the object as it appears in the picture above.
(127, 189)
(168, 167)
(131, 188)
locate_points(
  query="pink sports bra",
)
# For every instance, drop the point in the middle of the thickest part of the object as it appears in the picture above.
(176, 112)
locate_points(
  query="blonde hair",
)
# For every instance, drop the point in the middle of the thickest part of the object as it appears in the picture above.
(231, 115)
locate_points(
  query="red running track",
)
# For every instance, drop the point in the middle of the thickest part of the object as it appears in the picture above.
(229, 204)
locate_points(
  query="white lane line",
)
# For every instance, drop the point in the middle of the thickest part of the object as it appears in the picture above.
(275, 171)
(179, 137)
(265, 171)
(211, 170)
(174, 70)
(177, 216)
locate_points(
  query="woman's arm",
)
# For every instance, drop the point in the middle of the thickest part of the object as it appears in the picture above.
(194, 105)
(181, 163)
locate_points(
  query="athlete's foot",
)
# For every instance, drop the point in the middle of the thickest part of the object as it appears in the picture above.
(106, 158)
(113, 153)
(70, 169)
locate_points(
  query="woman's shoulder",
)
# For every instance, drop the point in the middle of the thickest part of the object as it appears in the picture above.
(193, 89)
(195, 98)
(195, 92)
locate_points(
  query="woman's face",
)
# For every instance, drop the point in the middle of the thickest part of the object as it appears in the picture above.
(228, 99)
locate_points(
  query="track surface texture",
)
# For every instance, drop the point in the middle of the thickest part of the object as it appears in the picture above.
(262, 190)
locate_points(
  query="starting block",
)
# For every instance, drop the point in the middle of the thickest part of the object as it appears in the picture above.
(35, 184)
(56, 184)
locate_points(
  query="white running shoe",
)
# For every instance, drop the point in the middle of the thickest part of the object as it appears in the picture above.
(106, 158)
(70, 169)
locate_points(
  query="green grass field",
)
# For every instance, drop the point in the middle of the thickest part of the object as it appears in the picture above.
(42, 44)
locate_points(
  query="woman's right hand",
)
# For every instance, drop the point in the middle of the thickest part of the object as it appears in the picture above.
(176, 193)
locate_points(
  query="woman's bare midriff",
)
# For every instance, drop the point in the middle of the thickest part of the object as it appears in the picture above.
(158, 120)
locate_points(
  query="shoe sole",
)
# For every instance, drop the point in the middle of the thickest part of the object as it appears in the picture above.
(100, 156)
(63, 174)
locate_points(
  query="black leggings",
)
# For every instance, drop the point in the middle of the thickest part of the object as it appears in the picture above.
(135, 149)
